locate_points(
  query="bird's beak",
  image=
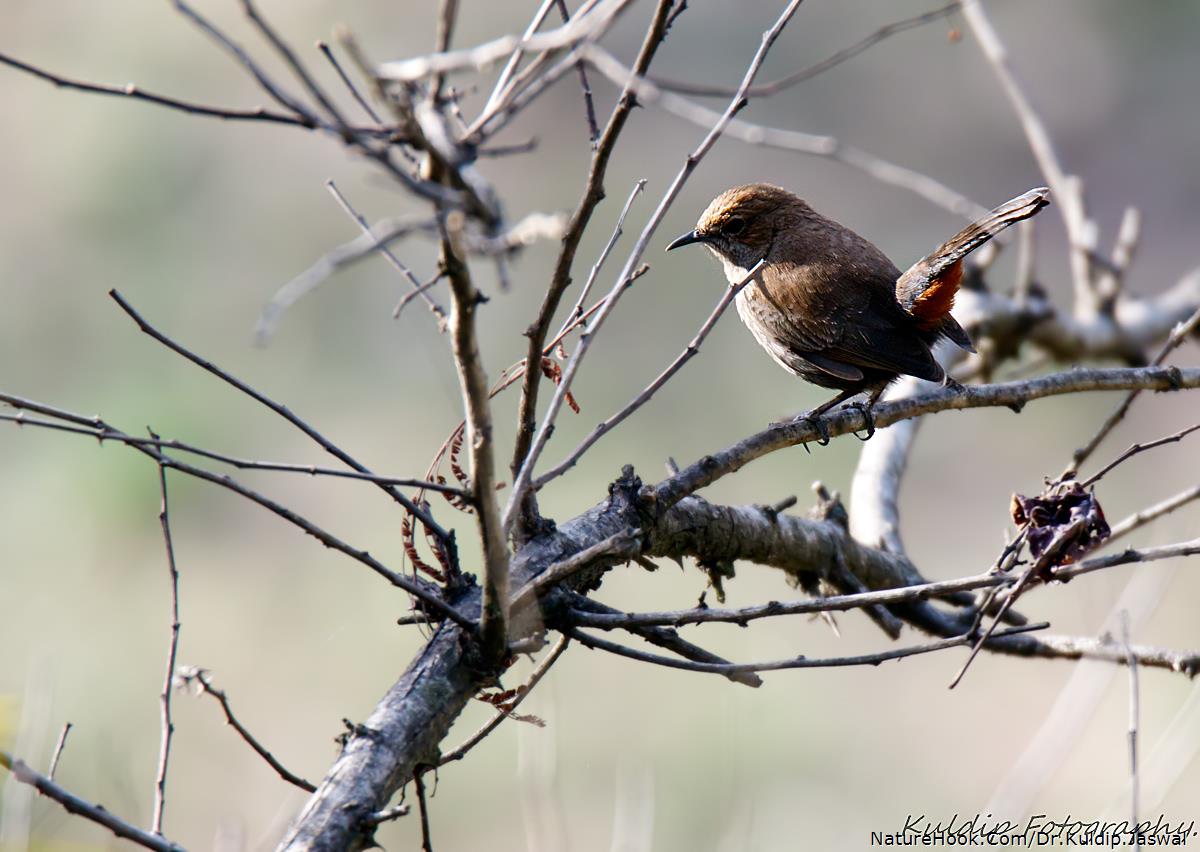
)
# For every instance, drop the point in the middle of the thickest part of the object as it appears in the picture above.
(686, 240)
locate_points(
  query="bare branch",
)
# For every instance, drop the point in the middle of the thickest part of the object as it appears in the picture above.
(788, 140)
(524, 478)
(131, 90)
(327, 52)
(1145, 516)
(102, 434)
(80, 807)
(790, 663)
(1135, 449)
(540, 672)
(765, 90)
(427, 595)
(1177, 336)
(690, 351)
(168, 726)
(235, 50)
(446, 537)
(297, 67)
(833, 603)
(1067, 192)
(581, 27)
(560, 279)
(198, 677)
(418, 289)
(1009, 394)
(58, 750)
(481, 446)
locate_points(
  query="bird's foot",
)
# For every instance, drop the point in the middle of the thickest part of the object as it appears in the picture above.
(815, 420)
(868, 419)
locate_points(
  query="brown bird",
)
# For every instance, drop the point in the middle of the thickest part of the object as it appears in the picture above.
(828, 305)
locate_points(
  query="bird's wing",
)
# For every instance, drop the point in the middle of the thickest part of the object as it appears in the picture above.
(862, 329)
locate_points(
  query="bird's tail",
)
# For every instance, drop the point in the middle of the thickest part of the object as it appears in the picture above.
(927, 289)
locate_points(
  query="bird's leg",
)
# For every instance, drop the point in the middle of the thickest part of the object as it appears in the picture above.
(867, 409)
(814, 417)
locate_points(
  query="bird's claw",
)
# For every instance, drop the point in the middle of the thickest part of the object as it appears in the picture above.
(818, 423)
(868, 419)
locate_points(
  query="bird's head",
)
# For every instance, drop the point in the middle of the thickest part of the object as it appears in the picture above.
(741, 224)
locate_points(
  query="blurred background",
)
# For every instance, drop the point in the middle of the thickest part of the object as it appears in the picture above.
(198, 222)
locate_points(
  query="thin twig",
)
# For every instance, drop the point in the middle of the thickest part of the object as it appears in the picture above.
(1048, 558)
(588, 106)
(101, 434)
(833, 603)
(1177, 336)
(293, 62)
(690, 351)
(618, 230)
(1151, 513)
(191, 675)
(80, 807)
(425, 593)
(523, 480)
(515, 58)
(58, 750)
(1134, 714)
(168, 725)
(623, 544)
(790, 663)
(579, 28)
(235, 50)
(132, 91)
(283, 411)
(426, 842)
(1067, 192)
(447, 15)
(763, 90)
(540, 672)
(327, 52)
(1135, 449)
(796, 141)
(560, 279)
(418, 288)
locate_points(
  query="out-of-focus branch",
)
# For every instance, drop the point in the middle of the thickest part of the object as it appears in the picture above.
(581, 27)
(1068, 191)
(764, 90)
(788, 140)
(80, 807)
(560, 278)
(131, 90)
(1178, 334)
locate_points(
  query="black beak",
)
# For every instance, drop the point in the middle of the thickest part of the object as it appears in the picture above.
(686, 240)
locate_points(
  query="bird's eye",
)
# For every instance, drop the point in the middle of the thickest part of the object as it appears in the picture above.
(735, 227)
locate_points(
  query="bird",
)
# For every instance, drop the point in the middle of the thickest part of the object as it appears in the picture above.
(830, 307)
